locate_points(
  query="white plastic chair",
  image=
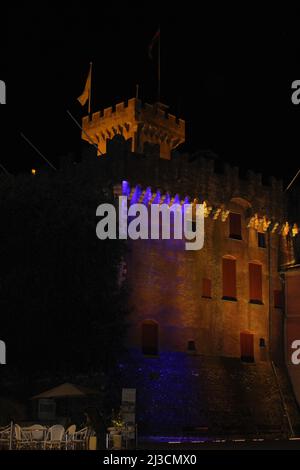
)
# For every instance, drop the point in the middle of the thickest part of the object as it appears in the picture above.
(5, 436)
(37, 434)
(79, 440)
(54, 437)
(23, 438)
(69, 436)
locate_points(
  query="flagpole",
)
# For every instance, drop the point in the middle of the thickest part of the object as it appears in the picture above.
(292, 182)
(37, 150)
(159, 67)
(84, 132)
(90, 93)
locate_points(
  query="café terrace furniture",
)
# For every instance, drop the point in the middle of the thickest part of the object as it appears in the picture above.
(80, 439)
(23, 438)
(69, 436)
(39, 437)
(54, 437)
(5, 437)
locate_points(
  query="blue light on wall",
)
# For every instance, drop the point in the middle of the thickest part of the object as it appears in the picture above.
(157, 198)
(148, 196)
(125, 188)
(136, 195)
(177, 199)
(167, 199)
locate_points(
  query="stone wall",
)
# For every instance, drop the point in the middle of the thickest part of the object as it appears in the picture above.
(208, 396)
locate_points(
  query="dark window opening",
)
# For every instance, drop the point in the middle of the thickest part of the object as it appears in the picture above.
(262, 343)
(191, 346)
(235, 226)
(261, 240)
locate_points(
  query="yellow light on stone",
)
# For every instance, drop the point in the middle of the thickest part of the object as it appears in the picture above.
(33, 171)
(295, 230)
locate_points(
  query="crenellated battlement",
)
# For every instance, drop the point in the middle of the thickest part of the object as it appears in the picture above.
(143, 111)
(140, 123)
(156, 112)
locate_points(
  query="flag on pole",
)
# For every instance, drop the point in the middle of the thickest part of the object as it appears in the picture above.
(155, 39)
(87, 89)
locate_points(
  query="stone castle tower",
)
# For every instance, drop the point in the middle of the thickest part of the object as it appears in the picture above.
(146, 127)
(205, 326)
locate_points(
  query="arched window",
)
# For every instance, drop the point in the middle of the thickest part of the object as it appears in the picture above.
(229, 278)
(150, 337)
(255, 283)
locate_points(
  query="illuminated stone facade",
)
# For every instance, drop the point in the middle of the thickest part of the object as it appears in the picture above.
(167, 282)
(291, 279)
(178, 295)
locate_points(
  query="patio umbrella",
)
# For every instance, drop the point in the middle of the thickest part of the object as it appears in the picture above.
(66, 390)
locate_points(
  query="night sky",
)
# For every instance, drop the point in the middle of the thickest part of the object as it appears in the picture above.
(227, 72)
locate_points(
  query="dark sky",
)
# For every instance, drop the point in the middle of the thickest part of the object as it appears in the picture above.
(228, 72)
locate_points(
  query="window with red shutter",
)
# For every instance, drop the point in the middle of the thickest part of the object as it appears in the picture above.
(255, 283)
(229, 279)
(247, 346)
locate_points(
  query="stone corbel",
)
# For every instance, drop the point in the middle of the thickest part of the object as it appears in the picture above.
(216, 213)
(295, 230)
(285, 229)
(225, 214)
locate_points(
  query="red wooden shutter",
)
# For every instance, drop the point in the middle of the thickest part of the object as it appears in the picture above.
(247, 347)
(255, 282)
(229, 278)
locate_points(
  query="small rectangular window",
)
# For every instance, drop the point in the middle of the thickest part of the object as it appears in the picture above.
(262, 343)
(235, 226)
(191, 346)
(261, 239)
(206, 288)
(278, 299)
